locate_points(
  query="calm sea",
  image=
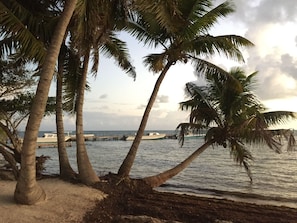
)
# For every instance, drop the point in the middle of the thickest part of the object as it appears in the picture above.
(213, 173)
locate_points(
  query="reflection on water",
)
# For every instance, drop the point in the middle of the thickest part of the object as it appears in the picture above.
(213, 173)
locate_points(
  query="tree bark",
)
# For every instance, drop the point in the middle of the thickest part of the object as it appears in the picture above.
(66, 172)
(127, 164)
(27, 190)
(159, 179)
(86, 172)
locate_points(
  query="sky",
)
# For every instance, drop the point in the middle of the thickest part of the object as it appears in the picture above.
(117, 102)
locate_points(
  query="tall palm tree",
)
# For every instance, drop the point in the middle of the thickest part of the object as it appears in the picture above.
(27, 190)
(93, 28)
(182, 31)
(66, 171)
(233, 116)
(27, 29)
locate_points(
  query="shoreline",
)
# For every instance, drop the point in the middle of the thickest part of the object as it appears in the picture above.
(239, 197)
(68, 202)
(139, 202)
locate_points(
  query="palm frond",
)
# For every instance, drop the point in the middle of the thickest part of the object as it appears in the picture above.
(204, 67)
(278, 117)
(29, 31)
(163, 13)
(185, 128)
(155, 62)
(242, 156)
(205, 18)
(149, 34)
(227, 45)
(113, 47)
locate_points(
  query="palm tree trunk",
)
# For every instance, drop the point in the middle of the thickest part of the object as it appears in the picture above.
(66, 172)
(159, 179)
(86, 173)
(27, 190)
(127, 164)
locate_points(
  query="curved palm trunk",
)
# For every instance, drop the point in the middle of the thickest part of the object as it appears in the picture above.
(129, 160)
(27, 190)
(66, 172)
(86, 173)
(159, 179)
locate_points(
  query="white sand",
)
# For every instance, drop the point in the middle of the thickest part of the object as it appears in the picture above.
(65, 202)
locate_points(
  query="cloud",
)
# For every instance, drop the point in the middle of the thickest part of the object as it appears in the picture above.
(162, 120)
(162, 99)
(103, 96)
(270, 25)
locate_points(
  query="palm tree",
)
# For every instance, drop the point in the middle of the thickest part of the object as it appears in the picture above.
(66, 171)
(93, 29)
(27, 190)
(233, 117)
(182, 31)
(27, 32)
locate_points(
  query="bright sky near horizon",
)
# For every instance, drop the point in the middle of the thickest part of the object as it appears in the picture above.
(116, 102)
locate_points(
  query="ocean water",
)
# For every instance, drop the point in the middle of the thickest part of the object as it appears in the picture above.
(212, 174)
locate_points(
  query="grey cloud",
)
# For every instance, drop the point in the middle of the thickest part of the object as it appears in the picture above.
(265, 11)
(288, 65)
(162, 99)
(142, 106)
(271, 68)
(103, 96)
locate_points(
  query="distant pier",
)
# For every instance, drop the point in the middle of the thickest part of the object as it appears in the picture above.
(123, 137)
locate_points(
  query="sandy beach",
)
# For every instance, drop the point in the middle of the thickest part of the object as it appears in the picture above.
(131, 202)
(66, 202)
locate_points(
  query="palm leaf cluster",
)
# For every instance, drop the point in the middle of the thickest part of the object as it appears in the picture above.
(182, 29)
(232, 115)
(26, 26)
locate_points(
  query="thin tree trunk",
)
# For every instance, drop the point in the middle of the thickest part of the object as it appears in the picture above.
(127, 164)
(15, 141)
(27, 190)
(86, 172)
(11, 160)
(66, 172)
(159, 179)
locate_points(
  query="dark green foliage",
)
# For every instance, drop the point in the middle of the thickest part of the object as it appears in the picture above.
(233, 116)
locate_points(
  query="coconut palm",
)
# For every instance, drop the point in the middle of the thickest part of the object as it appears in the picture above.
(93, 29)
(27, 190)
(182, 29)
(66, 171)
(25, 36)
(233, 117)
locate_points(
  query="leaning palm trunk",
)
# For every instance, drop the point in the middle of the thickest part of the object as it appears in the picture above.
(27, 190)
(86, 173)
(66, 172)
(129, 160)
(159, 179)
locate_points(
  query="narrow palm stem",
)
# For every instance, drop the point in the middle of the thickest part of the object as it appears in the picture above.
(159, 179)
(129, 160)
